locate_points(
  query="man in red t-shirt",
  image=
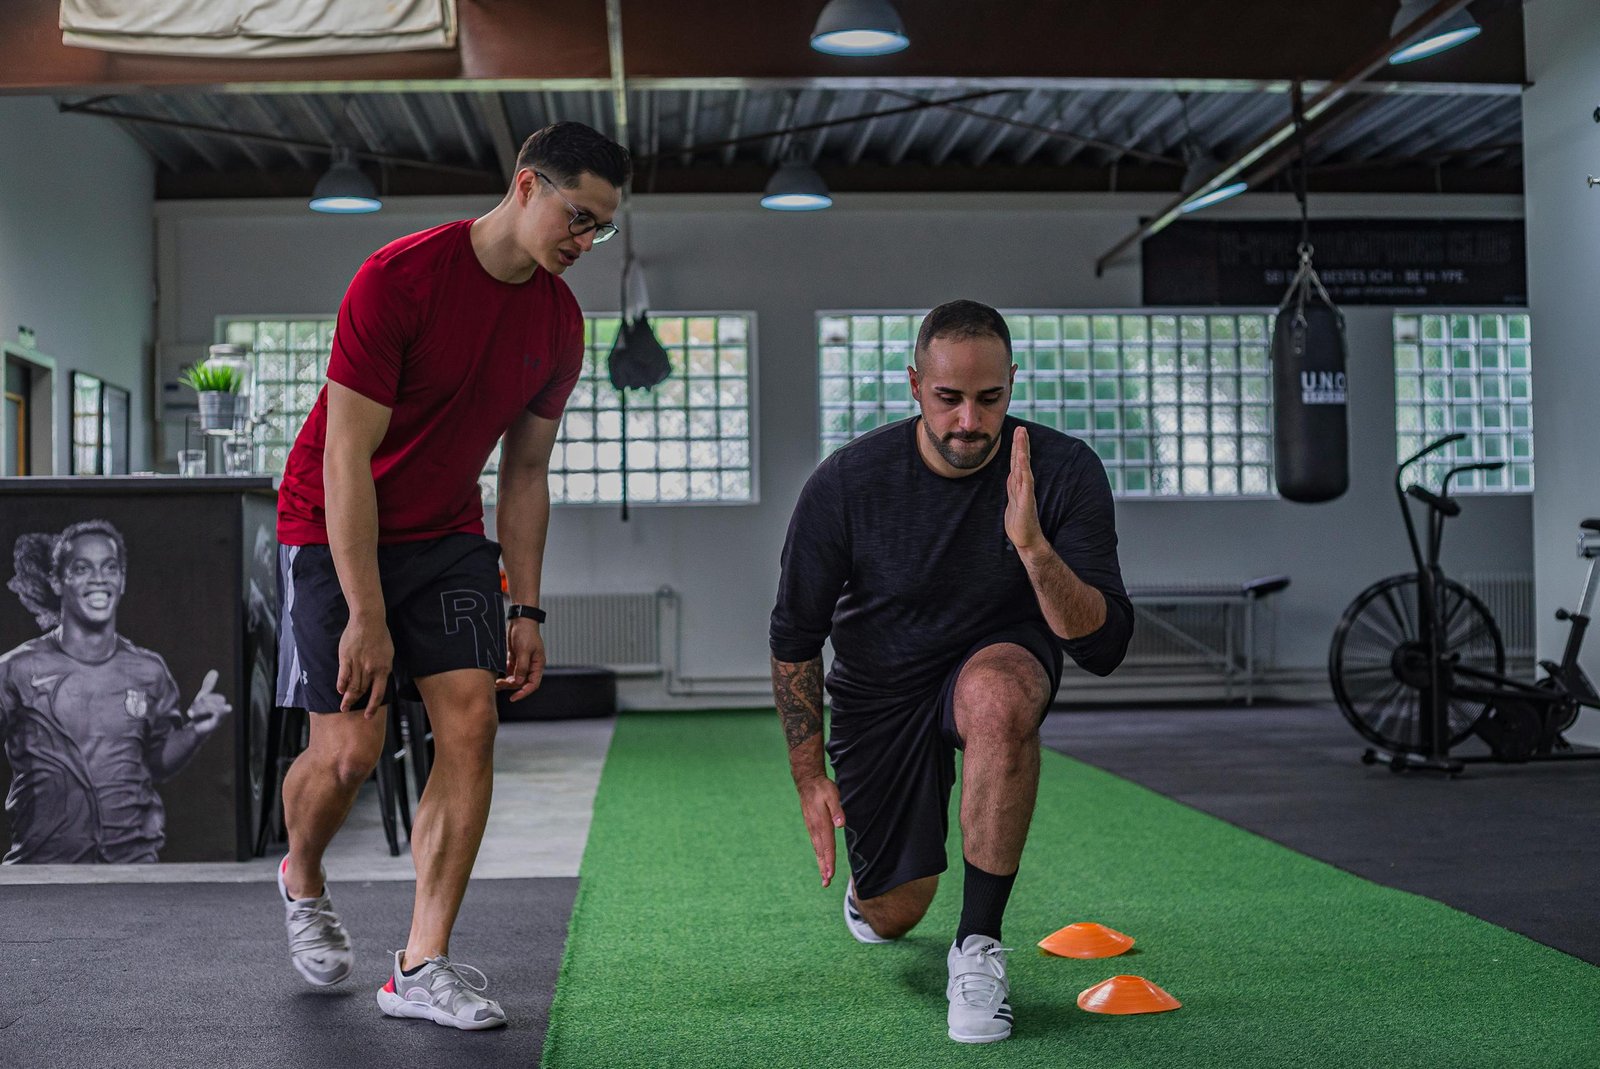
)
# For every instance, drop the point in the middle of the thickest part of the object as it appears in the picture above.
(447, 341)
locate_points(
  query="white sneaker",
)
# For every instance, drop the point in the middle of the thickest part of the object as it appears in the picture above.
(979, 1012)
(442, 992)
(319, 947)
(855, 921)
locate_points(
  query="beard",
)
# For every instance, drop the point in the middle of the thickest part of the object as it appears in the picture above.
(956, 448)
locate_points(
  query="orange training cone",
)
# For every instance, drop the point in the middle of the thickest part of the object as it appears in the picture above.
(1126, 994)
(1086, 940)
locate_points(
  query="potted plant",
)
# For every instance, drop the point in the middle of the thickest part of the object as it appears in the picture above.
(218, 386)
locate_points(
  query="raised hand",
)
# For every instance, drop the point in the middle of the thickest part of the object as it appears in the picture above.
(1022, 511)
(208, 708)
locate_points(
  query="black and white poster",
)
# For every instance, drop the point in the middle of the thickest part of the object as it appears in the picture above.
(124, 634)
(1449, 262)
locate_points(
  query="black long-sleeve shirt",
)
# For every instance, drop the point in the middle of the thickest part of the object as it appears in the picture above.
(907, 569)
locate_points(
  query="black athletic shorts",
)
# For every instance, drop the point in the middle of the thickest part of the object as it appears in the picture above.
(895, 767)
(442, 600)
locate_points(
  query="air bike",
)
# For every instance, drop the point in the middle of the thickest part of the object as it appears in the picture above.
(1418, 664)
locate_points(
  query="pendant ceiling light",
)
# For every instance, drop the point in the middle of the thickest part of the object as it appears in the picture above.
(1457, 29)
(344, 190)
(1202, 165)
(859, 28)
(796, 187)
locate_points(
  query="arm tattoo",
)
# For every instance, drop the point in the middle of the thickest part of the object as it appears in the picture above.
(797, 690)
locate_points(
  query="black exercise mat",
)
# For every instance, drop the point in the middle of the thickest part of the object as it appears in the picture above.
(1512, 844)
(198, 975)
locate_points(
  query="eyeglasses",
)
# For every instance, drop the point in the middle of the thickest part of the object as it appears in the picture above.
(582, 222)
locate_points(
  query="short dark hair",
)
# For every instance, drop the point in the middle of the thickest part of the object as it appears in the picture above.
(63, 545)
(960, 320)
(565, 151)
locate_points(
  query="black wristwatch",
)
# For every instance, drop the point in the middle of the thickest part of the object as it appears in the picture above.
(531, 612)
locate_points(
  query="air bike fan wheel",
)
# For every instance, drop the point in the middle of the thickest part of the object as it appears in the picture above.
(1379, 666)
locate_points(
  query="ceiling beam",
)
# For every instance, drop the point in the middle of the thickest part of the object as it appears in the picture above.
(274, 120)
(1281, 132)
(785, 130)
(858, 144)
(735, 127)
(158, 152)
(829, 114)
(1050, 132)
(463, 124)
(908, 134)
(188, 129)
(952, 137)
(492, 111)
(512, 46)
(370, 131)
(207, 107)
(419, 128)
(1001, 131)
(312, 109)
(691, 121)
(618, 71)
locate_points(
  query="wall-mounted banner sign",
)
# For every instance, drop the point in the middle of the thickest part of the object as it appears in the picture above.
(1451, 262)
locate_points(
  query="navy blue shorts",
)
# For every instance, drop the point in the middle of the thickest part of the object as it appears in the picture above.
(442, 599)
(895, 768)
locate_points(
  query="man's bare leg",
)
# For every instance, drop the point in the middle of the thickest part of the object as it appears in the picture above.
(1000, 695)
(896, 911)
(455, 806)
(321, 786)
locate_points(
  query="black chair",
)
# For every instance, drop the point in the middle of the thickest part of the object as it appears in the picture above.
(407, 745)
(285, 738)
(406, 742)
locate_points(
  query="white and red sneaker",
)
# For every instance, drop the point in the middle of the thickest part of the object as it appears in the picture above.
(440, 992)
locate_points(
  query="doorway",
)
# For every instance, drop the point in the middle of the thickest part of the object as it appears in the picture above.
(27, 429)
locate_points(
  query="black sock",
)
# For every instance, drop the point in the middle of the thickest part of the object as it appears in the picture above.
(983, 903)
(411, 971)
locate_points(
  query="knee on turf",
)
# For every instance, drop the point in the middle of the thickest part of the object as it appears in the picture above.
(898, 910)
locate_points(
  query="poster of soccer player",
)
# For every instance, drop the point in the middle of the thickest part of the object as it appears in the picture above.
(119, 666)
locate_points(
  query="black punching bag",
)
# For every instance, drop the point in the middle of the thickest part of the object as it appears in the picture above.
(1311, 435)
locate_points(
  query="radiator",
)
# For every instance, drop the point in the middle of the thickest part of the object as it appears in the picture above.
(1194, 634)
(617, 631)
(1509, 599)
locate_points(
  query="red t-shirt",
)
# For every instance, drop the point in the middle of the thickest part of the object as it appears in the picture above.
(457, 355)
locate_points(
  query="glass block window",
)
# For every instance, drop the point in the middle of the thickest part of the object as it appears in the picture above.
(688, 440)
(1175, 405)
(1470, 372)
(290, 360)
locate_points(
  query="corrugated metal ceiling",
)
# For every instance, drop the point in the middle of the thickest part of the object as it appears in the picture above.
(699, 131)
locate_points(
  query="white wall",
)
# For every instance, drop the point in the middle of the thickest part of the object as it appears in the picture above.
(870, 252)
(76, 262)
(1562, 148)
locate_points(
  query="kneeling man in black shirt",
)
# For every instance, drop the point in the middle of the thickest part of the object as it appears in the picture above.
(953, 558)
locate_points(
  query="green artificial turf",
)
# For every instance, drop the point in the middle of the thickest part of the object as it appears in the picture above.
(701, 938)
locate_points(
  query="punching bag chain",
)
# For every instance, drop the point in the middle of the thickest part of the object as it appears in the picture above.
(1297, 101)
(1311, 453)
